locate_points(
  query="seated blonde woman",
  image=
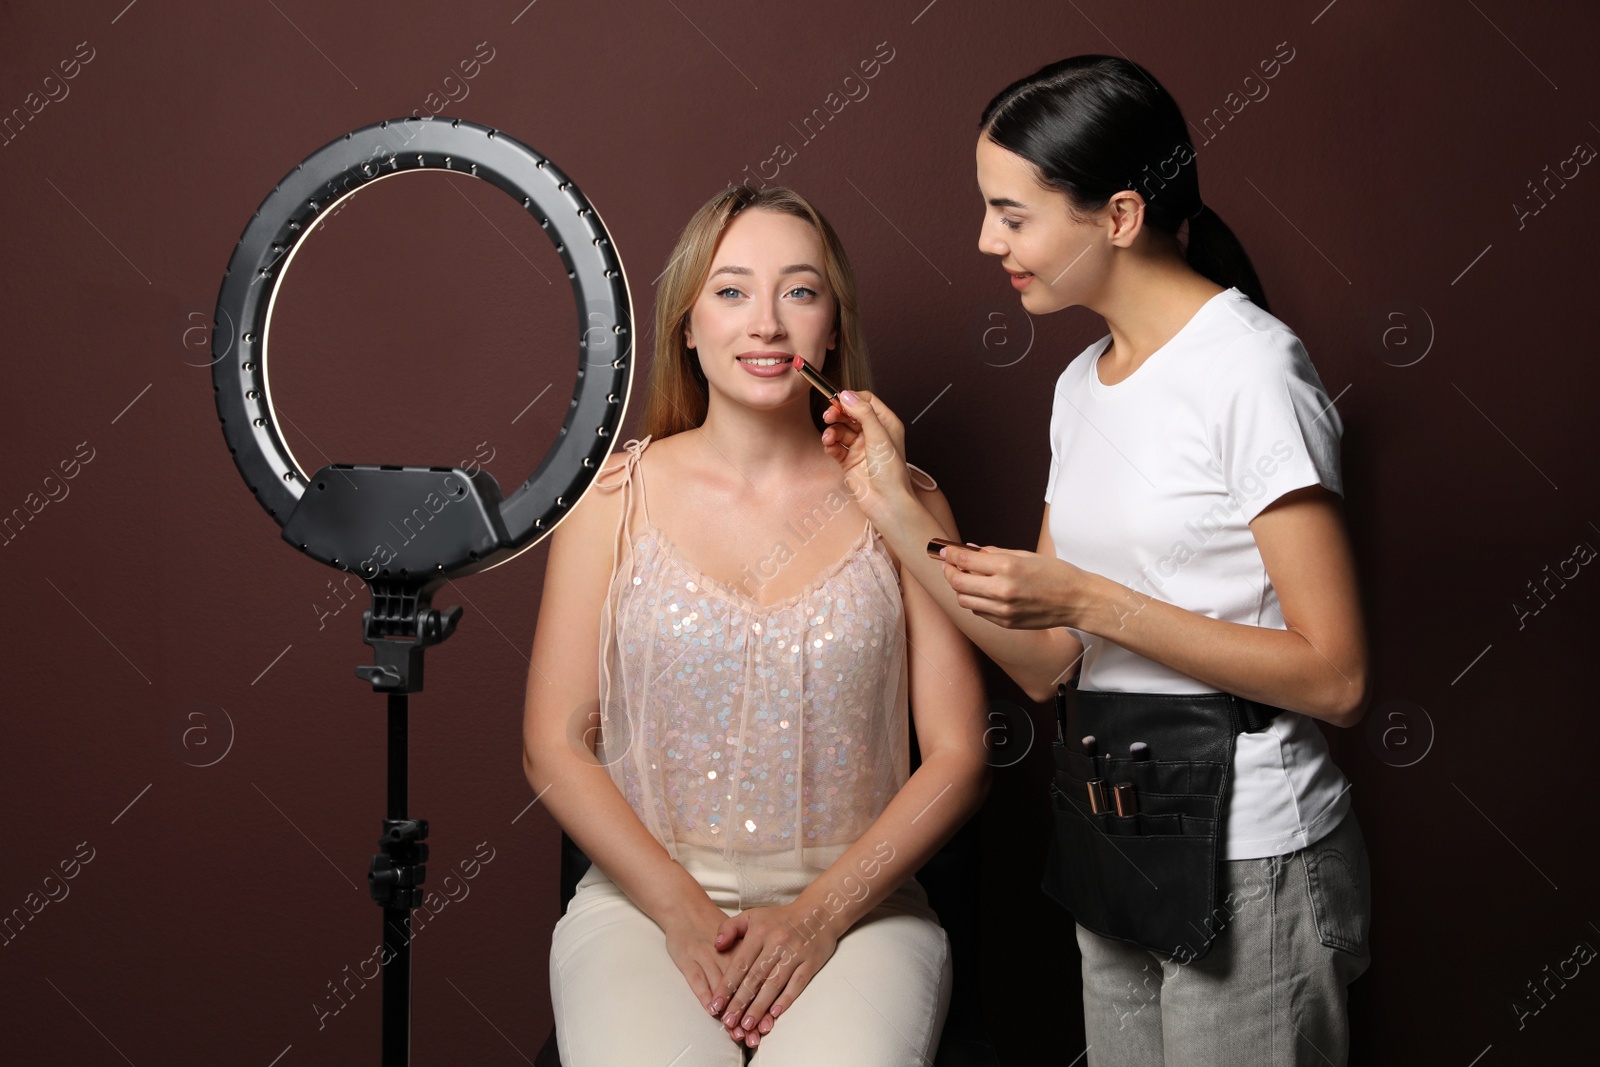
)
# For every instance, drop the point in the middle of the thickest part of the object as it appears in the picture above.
(748, 648)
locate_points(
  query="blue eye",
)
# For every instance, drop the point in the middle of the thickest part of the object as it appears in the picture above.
(728, 289)
(803, 289)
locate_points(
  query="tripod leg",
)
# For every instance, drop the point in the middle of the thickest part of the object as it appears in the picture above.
(397, 988)
(397, 919)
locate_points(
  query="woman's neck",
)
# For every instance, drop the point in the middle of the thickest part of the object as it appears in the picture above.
(1145, 305)
(764, 447)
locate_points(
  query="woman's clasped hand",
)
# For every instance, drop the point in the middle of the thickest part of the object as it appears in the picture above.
(774, 952)
(747, 968)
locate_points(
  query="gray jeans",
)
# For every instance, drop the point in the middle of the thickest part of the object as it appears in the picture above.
(1272, 988)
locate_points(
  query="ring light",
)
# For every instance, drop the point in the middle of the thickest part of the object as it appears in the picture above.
(453, 523)
(341, 514)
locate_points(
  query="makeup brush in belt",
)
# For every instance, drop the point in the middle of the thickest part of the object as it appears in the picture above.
(1096, 784)
(1126, 797)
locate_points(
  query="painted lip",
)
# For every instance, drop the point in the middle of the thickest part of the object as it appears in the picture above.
(779, 369)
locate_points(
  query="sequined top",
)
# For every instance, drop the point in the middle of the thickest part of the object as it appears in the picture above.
(773, 734)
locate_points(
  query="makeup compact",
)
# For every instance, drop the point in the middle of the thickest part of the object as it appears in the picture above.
(936, 543)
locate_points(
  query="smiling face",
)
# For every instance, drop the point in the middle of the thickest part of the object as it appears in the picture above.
(765, 299)
(1055, 260)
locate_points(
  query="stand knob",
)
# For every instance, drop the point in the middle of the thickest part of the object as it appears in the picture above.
(397, 872)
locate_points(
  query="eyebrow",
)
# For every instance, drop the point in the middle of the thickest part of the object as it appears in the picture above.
(1000, 201)
(793, 268)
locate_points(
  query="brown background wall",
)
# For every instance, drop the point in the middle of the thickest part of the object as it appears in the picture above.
(178, 695)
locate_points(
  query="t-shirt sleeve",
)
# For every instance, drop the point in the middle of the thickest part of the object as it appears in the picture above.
(1273, 427)
(1055, 413)
(1055, 462)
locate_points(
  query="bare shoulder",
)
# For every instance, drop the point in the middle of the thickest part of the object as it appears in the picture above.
(578, 573)
(939, 507)
(587, 530)
(934, 500)
(603, 500)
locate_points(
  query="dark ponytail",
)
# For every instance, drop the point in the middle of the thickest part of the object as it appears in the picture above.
(1096, 125)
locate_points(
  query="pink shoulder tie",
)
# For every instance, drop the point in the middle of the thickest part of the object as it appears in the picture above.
(625, 482)
(915, 471)
(634, 448)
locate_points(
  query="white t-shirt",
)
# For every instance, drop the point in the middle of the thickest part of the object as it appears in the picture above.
(1153, 483)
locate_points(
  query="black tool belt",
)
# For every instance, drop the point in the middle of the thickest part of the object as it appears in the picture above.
(1149, 875)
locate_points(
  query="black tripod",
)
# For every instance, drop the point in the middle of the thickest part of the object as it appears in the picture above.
(399, 626)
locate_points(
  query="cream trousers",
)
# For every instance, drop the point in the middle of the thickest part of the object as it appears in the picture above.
(879, 1001)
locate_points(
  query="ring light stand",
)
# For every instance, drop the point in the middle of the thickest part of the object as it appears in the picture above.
(341, 514)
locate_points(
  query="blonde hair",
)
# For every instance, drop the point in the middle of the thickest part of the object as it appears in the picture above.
(677, 395)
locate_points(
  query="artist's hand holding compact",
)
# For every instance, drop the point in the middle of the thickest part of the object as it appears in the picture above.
(770, 964)
(1017, 589)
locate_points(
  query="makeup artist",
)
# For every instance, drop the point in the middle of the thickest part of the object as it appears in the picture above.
(1193, 581)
